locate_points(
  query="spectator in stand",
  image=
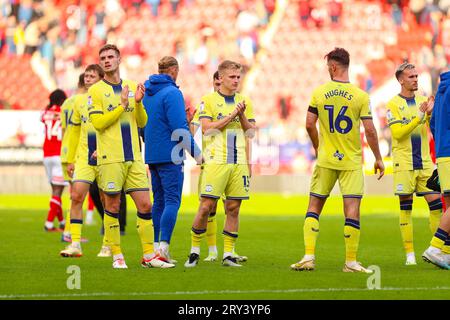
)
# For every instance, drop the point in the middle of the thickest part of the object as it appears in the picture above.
(154, 5)
(9, 33)
(98, 19)
(396, 11)
(2, 35)
(285, 106)
(270, 6)
(5, 8)
(304, 11)
(174, 4)
(319, 14)
(417, 7)
(31, 37)
(25, 11)
(136, 4)
(19, 38)
(335, 11)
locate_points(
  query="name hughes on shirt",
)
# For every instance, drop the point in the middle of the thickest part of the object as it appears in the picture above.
(338, 93)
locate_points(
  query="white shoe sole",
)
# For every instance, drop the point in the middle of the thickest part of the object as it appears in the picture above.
(429, 259)
(307, 266)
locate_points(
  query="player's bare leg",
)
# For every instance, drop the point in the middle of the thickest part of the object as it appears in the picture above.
(310, 233)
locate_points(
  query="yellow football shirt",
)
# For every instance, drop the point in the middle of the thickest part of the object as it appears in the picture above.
(410, 147)
(340, 106)
(228, 145)
(118, 142)
(87, 140)
(66, 116)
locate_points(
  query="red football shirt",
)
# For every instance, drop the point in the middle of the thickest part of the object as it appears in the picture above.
(53, 131)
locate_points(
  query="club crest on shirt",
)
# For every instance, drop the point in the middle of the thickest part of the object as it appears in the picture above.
(208, 188)
(111, 107)
(111, 185)
(130, 94)
(400, 187)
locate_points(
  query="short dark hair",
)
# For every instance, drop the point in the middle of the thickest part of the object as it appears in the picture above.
(340, 55)
(216, 75)
(405, 65)
(57, 98)
(109, 47)
(81, 80)
(96, 68)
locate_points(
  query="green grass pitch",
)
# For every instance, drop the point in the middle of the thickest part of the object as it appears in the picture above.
(270, 235)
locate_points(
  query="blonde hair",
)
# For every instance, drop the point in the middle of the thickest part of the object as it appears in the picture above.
(229, 65)
(165, 63)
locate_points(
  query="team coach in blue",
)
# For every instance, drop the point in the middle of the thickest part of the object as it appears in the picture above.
(166, 138)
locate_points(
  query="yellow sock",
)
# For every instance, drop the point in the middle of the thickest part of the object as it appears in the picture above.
(439, 239)
(75, 229)
(196, 239)
(145, 230)
(406, 225)
(211, 230)
(435, 214)
(229, 241)
(67, 225)
(446, 247)
(311, 232)
(112, 232)
(351, 235)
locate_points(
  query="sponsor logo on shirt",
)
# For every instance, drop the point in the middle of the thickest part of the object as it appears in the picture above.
(338, 155)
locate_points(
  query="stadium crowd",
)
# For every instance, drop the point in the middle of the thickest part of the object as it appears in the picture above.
(67, 35)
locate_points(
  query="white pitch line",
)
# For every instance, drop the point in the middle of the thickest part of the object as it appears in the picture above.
(207, 292)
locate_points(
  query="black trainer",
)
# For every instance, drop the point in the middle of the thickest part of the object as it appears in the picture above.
(192, 261)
